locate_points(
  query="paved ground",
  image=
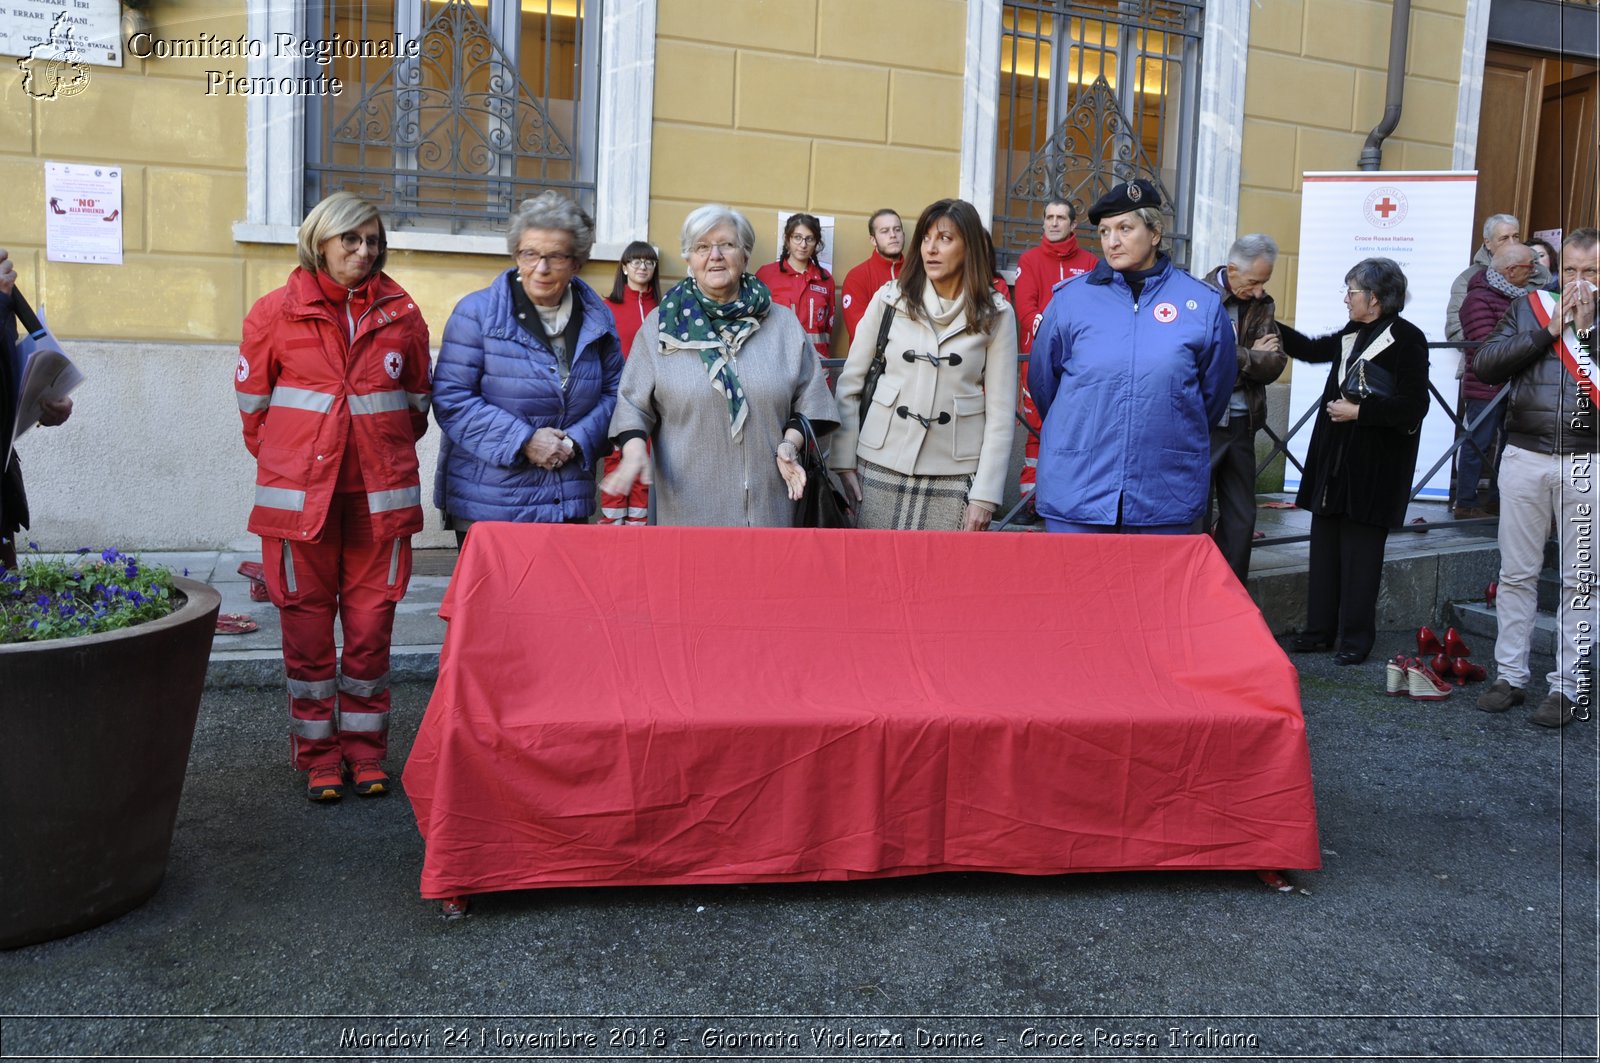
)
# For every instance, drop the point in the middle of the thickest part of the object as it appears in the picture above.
(1454, 916)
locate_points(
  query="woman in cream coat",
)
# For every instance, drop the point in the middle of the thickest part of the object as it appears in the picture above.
(935, 446)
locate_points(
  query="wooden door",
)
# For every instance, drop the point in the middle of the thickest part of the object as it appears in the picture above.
(1565, 166)
(1508, 135)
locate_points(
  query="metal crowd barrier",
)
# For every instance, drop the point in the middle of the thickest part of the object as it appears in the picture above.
(1280, 444)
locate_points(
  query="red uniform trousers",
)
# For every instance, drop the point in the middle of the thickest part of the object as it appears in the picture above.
(1030, 446)
(346, 572)
(631, 508)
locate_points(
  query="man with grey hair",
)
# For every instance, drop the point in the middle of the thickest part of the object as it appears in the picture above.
(1243, 284)
(1498, 231)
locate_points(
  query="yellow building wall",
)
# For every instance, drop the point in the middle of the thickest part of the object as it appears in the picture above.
(183, 278)
(1316, 73)
(835, 107)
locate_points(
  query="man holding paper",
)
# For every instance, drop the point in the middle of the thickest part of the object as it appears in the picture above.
(13, 500)
(1545, 348)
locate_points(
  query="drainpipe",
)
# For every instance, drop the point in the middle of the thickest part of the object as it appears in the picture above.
(1399, 31)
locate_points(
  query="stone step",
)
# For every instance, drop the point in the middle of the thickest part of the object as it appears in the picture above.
(1479, 624)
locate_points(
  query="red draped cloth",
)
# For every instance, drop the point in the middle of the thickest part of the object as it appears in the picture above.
(625, 706)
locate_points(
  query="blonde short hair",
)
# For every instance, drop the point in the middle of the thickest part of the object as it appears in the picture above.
(338, 213)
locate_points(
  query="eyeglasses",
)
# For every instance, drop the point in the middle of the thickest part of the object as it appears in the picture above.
(534, 259)
(648, 263)
(725, 250)
(1345, 293)
(352, 241)
(806, 240)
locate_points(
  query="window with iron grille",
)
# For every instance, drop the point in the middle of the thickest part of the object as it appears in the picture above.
(498, 104)
(1093, 93)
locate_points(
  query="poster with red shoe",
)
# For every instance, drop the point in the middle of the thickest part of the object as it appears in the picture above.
(83, 212)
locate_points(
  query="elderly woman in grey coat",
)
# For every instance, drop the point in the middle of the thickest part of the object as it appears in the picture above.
(715, 378)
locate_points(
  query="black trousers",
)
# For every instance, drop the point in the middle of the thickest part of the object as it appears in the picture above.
(1346, 570)
(1233, 485)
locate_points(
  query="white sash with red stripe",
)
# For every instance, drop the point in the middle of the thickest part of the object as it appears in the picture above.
(1579, 366)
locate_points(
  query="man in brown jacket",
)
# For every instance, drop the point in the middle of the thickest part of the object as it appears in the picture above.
(1243, 284)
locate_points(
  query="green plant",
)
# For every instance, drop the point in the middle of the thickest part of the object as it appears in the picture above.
(55, 598)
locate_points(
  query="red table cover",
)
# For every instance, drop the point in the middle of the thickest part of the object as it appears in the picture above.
(672, 705)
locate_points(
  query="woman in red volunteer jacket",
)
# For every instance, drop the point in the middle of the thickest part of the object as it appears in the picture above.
(798, 282)
(634, 293)
(333, 388)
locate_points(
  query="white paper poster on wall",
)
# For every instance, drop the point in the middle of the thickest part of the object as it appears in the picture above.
(824, 257)
(1422, 220)
(83, 213)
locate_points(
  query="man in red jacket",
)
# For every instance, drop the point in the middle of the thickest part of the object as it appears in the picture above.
(1057, 258)
(881, 267)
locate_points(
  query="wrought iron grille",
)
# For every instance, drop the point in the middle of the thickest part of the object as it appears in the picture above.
(497, 105)
(1093, 93)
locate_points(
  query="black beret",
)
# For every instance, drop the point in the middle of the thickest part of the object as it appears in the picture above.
(1123, 198)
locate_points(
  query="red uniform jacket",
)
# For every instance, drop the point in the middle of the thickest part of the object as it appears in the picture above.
(630, 314)
(861, 283)
(1041, 269)
(808, 294)
(311, 400)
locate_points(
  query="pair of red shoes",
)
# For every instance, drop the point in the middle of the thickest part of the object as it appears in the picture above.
(1448, 659)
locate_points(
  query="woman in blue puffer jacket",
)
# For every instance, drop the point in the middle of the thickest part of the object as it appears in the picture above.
(527, 381)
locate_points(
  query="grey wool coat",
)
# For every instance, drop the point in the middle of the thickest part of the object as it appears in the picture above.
(702, 475)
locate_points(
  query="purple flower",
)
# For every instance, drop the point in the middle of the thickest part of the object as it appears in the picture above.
(43, 601)
(109, 555)
(133, 570)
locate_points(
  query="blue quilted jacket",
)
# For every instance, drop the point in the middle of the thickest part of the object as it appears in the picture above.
(495, 384)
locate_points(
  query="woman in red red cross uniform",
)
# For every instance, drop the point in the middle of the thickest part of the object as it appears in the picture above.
(333, 388)
(799, 282)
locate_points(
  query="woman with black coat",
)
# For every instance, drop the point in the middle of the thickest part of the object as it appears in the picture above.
(1363, 455)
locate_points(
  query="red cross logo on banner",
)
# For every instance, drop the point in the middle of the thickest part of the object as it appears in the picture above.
(1386, 207)
(1165, 313)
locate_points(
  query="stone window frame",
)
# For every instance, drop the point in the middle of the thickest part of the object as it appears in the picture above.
(275, 138)
(1219, 141)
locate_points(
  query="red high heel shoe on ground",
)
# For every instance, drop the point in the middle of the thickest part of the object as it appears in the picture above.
(1428, 643)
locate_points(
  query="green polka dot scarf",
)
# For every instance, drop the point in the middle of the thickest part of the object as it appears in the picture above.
(689, 321)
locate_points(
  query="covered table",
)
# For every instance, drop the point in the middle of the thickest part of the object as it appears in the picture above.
(623, 706)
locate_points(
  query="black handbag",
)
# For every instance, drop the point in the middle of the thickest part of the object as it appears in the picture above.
(822, 505)
(875, 370)
(1367, 381)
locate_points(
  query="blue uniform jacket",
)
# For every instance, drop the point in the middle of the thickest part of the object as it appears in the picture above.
(495, 384)
(1128, 393)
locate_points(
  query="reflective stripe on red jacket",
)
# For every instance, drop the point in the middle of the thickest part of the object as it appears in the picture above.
(808, 294)
(305, 391)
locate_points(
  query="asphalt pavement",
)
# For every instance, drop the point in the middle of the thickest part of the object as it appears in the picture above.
(1454, 916)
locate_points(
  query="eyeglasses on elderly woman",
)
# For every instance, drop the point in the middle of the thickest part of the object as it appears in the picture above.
(534, 259)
